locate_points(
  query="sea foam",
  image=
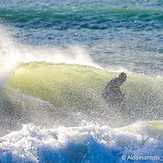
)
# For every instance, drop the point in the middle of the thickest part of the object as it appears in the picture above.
(89, 143)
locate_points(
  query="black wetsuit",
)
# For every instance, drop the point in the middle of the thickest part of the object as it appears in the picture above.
(112, 92)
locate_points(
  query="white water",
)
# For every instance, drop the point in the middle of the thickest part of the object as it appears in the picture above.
(69, 55)
(87, 143)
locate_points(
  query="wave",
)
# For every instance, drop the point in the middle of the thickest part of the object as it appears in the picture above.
(68, 94)
(87, 143)
(12, 54)
(70, 81)
(91, 17)
(79, 88)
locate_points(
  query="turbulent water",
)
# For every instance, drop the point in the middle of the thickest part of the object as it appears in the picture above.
(109, 35)
(80, 145)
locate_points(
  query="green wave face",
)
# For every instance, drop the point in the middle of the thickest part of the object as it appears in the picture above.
(81, 87)
(62, 85)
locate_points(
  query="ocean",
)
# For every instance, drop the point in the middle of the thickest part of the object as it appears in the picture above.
(56, 57)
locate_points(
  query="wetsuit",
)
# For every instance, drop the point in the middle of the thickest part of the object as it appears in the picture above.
(112, 92)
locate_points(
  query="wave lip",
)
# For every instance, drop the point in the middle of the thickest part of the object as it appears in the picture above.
(92, 143)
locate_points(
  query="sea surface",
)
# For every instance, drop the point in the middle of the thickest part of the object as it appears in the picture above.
(116, 33)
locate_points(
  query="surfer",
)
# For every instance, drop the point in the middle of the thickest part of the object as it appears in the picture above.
(112, 92)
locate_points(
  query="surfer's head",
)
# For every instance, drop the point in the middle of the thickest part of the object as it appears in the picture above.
(122, 76)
